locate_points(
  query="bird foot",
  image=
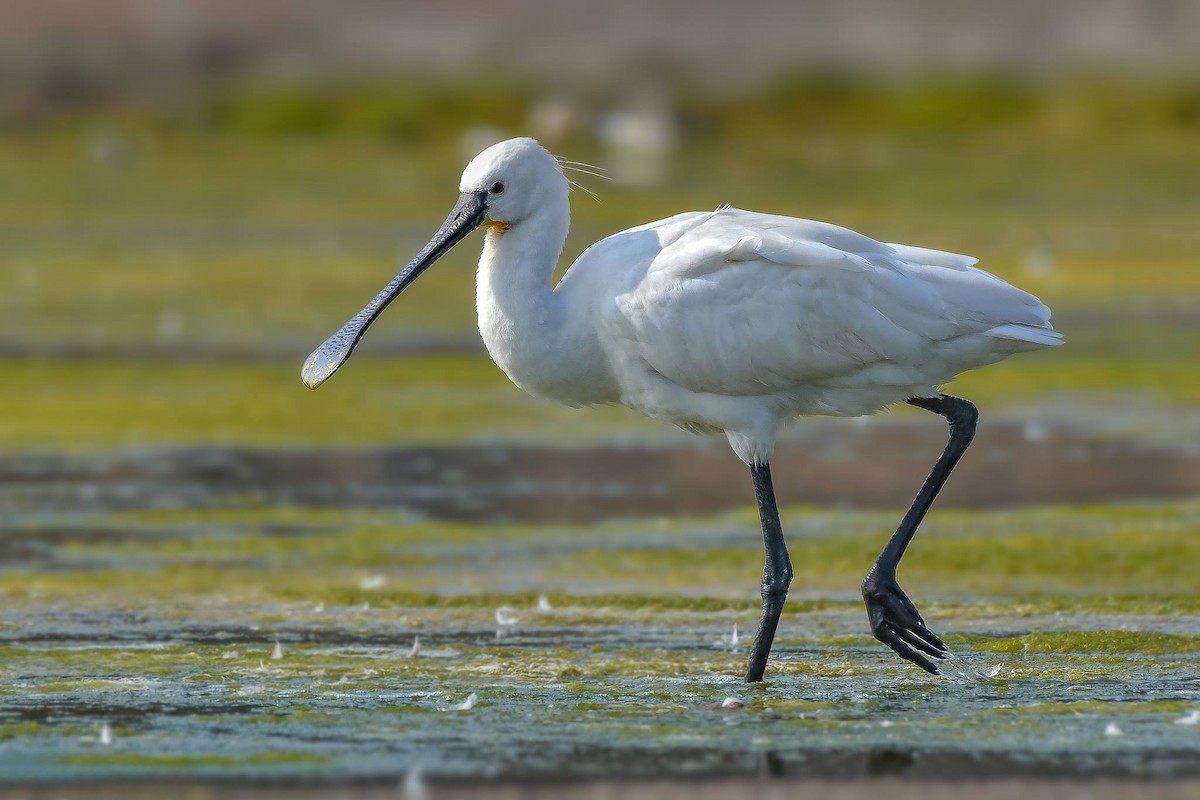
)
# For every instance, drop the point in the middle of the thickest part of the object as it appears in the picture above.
(896, 622)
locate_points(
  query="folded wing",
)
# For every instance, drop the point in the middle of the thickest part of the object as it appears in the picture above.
(740, 303)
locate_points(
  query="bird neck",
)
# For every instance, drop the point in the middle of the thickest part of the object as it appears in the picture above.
(521, 318)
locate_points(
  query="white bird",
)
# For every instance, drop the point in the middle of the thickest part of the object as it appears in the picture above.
(727, 321)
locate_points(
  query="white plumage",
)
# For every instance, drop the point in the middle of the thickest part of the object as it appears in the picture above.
(733, 320)
(829, 321)
(727, 321)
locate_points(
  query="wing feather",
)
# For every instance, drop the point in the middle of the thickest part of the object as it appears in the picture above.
(738, 303)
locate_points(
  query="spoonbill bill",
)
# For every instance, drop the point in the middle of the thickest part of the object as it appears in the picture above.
(729, 322)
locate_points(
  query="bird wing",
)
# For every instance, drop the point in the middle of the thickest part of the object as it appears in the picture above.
(739, 303)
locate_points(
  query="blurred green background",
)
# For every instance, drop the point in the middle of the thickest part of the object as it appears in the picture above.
(193, 195)
(166, 269)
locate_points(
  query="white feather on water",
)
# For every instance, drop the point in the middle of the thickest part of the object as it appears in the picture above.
(468, 704)
(413, 785)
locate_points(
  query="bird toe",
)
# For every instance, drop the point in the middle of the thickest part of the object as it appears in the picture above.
(896, 623)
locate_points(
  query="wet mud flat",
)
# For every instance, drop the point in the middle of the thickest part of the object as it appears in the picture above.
(846, 464)
(247, 656)
(574, 702)
(484, 619)
(764, 789)
(583, 693)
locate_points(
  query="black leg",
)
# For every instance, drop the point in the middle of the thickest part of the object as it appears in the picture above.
(777, 574)
(895, 621)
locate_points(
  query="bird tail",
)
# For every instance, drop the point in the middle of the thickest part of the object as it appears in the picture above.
(1031, 334)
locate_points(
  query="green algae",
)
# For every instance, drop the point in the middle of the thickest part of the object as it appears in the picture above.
(187, 762)
(1102, 641)
(204, 639)
(1130, 555)
(1096, 708)
(97, 404)
(1091, 559)
(13, 730)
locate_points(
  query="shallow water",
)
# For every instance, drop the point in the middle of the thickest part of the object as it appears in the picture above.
(142, 644)
(566, 699)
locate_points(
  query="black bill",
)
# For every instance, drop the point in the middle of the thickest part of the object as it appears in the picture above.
(468, 214)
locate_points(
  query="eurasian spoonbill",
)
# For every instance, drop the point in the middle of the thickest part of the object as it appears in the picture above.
(727, 321)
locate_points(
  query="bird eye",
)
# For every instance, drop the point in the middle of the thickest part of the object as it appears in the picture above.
(497, 188)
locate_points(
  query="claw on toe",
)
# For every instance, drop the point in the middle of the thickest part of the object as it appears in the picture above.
(929, 661)
(896, 622)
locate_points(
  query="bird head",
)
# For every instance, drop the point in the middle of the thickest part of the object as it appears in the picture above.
(501, 187)
(513, 179)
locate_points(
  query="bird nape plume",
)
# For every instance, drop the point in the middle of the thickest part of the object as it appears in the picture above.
(583, 168)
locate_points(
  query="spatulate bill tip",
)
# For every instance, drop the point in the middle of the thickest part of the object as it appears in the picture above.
(317, 369)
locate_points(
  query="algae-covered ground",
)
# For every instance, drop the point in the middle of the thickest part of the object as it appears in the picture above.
(209, 572)
(365, 644)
